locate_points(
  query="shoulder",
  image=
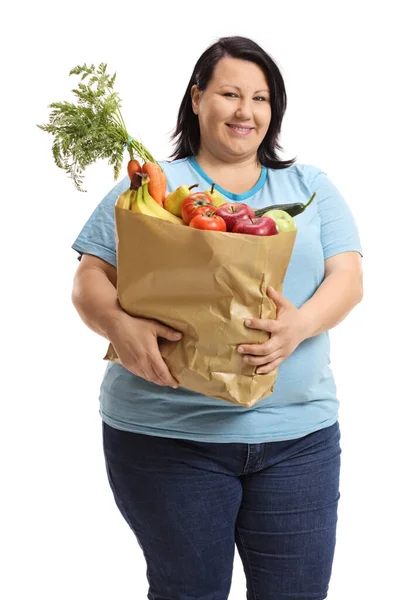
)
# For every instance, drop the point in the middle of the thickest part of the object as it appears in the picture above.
(178, 172)
(174, 165)
(298, 171)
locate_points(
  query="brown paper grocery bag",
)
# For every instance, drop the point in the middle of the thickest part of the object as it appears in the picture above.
(203, 284)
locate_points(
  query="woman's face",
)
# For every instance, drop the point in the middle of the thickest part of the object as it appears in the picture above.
(234, 110)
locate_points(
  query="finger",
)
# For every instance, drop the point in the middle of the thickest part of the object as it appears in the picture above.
(156, 365)
(262, 360)
(280, 300)
(259, 349)
(150, 371)
(263, 324)
(269, 367)
(144, 374)
(166, 332)
(162, 373)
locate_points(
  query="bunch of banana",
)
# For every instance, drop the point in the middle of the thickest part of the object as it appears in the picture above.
(141, 201)
(124, 200)
(137, 202)
(155, 209)
(138, 199)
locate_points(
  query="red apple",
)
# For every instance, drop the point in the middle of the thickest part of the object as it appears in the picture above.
(256, 226)
(232, 212)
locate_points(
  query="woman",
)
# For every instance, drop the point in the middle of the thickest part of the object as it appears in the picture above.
(194, 475)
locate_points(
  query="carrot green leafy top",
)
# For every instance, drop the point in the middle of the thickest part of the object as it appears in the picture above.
(92, 128)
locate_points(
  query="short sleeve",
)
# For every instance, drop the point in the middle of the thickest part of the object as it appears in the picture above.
(98, 234)
(339, 232)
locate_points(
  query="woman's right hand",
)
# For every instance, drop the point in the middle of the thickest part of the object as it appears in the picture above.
(135, 341)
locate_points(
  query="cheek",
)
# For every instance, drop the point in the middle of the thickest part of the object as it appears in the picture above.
(212, 117)
(264, 121)
(264, 116)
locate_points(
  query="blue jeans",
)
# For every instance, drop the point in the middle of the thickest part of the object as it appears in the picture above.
(189, 503)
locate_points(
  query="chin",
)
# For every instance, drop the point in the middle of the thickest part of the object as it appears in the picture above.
(242, 150)
(236, 149)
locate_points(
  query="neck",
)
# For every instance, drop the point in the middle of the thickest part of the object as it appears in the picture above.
(236, 175)
(206, 158)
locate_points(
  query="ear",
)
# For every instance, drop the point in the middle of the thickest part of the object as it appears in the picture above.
(195, 94)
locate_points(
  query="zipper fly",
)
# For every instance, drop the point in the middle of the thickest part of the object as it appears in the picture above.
(256, 454)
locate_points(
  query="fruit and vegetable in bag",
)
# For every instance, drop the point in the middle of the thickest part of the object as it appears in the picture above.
(284, 221)
(158, 181)
(256, 226)
(173, 201)
(216, 196)
(143, 203)
(233, 212)
(133, 167)
(192, 202)
(208, 220)
(93, 128)
(296, 208)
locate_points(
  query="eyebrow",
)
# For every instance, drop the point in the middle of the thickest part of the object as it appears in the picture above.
(238, 88)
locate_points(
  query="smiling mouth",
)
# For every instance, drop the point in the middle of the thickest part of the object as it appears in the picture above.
(240, 129)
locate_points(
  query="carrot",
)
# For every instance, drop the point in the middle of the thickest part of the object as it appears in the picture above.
(157, 183)
(164, 184)
(134, 167)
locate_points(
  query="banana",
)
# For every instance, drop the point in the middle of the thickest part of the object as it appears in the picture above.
(138, 205)
(124, 199)
(132, 199)
(156, 210)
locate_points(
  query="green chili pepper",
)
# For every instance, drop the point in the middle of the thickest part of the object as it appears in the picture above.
(293, 209)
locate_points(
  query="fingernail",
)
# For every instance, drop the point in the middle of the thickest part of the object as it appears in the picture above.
(177, 335)
(273, 289)
(241, 350)
(247, 322)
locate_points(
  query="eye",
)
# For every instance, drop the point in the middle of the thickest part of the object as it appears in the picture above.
(230, 94)
(261, 98)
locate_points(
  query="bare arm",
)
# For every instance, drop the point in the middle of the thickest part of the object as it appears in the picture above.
(340, 291)
(94, 295)
(135, 340)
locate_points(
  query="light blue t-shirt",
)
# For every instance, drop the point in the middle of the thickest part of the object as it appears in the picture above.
(304, 399)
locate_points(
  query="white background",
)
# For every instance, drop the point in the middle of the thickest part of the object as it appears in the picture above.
(62, 533)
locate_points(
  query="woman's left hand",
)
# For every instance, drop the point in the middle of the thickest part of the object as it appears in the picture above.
(287, 332)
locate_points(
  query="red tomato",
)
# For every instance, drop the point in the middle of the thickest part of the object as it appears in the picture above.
(209, 221)
(192, 202)
(203, 210)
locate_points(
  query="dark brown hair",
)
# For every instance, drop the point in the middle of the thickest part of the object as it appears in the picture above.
(187, 131)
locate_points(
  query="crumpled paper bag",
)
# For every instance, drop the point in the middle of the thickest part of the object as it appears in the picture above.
(203, 284)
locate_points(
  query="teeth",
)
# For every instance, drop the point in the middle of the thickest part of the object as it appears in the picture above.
(240, 128)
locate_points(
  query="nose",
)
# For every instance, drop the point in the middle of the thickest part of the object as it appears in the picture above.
(243, 111)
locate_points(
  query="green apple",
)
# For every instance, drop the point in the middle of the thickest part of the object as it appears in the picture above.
(283, 220)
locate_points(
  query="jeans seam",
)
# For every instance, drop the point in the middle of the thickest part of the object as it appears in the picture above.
(113, 487)
(247, 459)
(263, 457)
(256, 597)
